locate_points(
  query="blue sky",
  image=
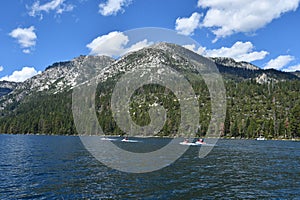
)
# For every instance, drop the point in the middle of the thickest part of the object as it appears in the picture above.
(34, 34)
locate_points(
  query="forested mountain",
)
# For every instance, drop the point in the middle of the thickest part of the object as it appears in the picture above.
(259, 101)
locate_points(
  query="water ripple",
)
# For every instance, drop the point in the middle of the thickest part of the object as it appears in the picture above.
(43, 167)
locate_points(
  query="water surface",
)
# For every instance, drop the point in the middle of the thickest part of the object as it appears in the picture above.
(44, 167)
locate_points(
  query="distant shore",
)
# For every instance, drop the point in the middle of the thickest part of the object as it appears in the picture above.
(143, 136)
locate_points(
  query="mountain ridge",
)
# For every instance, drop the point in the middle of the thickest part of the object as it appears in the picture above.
(61, 76)
(42, 104)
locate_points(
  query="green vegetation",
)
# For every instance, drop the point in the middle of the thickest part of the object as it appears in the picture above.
(271, 109)
(40, 113)
(267, 109)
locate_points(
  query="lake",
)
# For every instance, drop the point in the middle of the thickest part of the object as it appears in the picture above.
(59, 167)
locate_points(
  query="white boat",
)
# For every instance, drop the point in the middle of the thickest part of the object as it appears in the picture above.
(188, 143)
(197, 144)
(127, 140)
(261, 138)
(200, 143)
(108, 139)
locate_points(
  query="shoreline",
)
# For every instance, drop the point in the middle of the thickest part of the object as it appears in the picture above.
(143, 136)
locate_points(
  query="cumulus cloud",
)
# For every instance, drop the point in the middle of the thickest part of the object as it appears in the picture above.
(279, 63)
(55, 5)
(26, 37)
(292, 68)
(137, 46)
(1, 68)
(240, 51)
(201, 50)
(114, 44)
(111, 44)
(227, 17)
(112, 7)
(187, 26)
(20, 76)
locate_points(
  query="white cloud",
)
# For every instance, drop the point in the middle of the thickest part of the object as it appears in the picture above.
(137, 46)
(187, 26)
(240, 51)
(111, 44)
(292, 68)
(26, 51)
(57, 5)
(279, 62)
(112, 7)
(20, 76)
(1, 68)
(114, 44)
(26, 37)
(227, 17)
(192, 47)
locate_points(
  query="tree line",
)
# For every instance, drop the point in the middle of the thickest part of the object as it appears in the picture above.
(271, 109)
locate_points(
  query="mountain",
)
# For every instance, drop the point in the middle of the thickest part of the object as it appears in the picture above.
(297, 73)
(6, 87)
(242, 70)
(59, 77)
(258, 101)
(229, 62)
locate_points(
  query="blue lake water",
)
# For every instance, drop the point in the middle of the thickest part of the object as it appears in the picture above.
(59, 167)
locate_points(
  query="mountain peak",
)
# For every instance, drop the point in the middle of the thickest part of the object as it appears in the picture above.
(164, 45)
(296, 73)
(170, 47)
(80, 60)
(230, 62)
(85, 57)
(63, 76)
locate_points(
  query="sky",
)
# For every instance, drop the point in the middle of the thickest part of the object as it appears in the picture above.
(37, 33)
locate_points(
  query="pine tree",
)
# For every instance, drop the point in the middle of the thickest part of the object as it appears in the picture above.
(295, 121)
(227, 123)
(235, 130)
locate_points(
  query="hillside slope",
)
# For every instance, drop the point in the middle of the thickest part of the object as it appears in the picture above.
(258, 101)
